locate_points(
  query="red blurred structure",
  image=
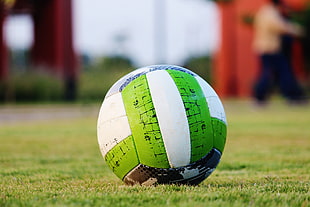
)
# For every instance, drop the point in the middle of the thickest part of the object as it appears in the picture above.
(235, 64)
(52, 49)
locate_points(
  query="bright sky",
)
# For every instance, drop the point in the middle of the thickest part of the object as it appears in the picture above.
(104, 27)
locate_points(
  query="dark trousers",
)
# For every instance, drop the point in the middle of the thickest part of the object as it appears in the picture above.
(276, 68)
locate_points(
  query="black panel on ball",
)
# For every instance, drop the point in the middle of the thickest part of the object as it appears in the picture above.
(192, 174)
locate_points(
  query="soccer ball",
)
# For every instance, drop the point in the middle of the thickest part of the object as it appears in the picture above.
(162, 124)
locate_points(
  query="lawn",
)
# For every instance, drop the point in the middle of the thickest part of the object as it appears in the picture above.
(57, 162)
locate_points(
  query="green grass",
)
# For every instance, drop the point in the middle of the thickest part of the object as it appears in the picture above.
(266, 162)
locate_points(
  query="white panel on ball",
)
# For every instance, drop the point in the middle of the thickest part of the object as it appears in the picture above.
(112, 132)
(171, 117)
(112, 107)
(113, 125)
(216, 107)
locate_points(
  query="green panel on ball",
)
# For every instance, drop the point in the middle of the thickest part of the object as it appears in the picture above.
(197, 112)
(123, 157)
(144, 124)
(220, 131)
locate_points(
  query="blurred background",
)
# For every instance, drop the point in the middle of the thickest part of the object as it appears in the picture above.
(54, 50)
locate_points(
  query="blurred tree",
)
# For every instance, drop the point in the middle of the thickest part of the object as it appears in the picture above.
(98, 77)
(19, 60)
(200, 65)
(111, 63)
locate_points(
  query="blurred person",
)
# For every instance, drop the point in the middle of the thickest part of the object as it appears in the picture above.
(271, 28)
